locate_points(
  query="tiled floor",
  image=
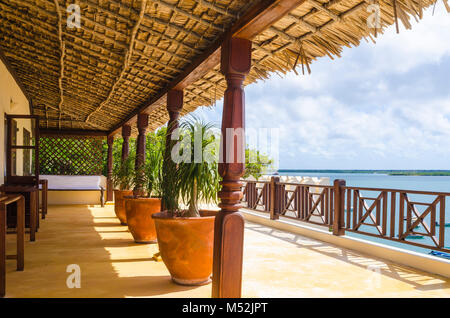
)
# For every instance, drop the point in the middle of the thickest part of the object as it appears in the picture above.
(276, 264)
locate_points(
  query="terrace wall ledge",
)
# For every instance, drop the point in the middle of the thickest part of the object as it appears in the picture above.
(408, 258)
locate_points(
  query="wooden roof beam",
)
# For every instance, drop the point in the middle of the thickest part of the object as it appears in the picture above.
(55, 72)
(189, 15)
(61, 60)
(74, 132)
(143, 27)
(218, 9)
(294, 41)
(324, 9)
(106, 28)
(257, 19)
(127, 60)
(147, 17)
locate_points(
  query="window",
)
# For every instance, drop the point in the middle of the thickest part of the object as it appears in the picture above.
(13, 152)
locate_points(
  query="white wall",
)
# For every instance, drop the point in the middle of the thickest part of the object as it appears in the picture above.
(12, 101)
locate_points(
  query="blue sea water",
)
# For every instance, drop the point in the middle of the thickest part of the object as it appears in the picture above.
(378, 180)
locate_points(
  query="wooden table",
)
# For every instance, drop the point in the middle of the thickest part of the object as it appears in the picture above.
(31, 195)
(44, 197)
(20, 256)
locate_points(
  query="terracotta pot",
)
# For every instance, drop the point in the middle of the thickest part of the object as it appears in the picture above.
(119, 204)
(139, 213)
(186, 246)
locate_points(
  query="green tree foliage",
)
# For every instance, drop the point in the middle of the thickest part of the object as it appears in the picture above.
(123, 174)
(256, 164)
(192, 181)
(149, 176)
(70, 156)
(155, 143)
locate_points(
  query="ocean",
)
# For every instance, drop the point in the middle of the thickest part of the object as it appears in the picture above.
(380, 180)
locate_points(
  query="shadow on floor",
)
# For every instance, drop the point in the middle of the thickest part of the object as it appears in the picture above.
(420, 280)
(119, 231)
(111, 264)
(107, 224)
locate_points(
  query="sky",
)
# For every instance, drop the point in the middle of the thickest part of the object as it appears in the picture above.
(380, 106)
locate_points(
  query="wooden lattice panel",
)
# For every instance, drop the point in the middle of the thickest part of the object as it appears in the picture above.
(71, 155)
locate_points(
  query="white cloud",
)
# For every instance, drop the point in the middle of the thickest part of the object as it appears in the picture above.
(378, 106)
(426, 42)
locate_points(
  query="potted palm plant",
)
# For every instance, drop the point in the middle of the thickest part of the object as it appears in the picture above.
(186, 236)
(146, 199)
(123, 183)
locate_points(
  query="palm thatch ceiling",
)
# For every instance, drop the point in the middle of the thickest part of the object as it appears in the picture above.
(125, 53)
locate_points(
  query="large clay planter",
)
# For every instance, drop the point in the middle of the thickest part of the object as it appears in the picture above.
(139, 213)
(119, 204)
(186, 246)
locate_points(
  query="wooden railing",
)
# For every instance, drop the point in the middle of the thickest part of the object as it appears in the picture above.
(310, 203)
(412, 217)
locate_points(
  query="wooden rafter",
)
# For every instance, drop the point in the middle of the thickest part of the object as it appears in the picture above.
(176, 47)
(62, 54)
(127, 60)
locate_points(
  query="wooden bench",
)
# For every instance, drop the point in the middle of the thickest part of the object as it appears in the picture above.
(101, 190)
(20, 256)
(73, 183)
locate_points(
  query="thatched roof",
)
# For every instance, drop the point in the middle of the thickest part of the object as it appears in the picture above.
(127, 51)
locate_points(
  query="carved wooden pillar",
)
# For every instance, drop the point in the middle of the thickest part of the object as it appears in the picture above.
(142, 124)
(126, 133)
(109, 183)
(229, 223)
(174, 106)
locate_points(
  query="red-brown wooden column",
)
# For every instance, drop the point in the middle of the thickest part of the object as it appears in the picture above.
(229, 223)
(142, 124)
(109, 183)
(126, 133)
(174, 106)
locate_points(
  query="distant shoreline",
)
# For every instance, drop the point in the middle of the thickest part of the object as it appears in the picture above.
(388, 172)
(435, 174)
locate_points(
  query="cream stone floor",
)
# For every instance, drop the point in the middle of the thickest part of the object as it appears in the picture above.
(276, 264)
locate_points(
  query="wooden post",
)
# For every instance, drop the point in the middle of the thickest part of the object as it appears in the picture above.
(109, 183)
(34, 214)
(339, 203)
(126, 133)
(21, 233)
(142, 124)
(44, 184)
(2, 250)
(441, 221)
(274, 197)
(36, 202)
(4, 202)
(174, 106)
(229, 223)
